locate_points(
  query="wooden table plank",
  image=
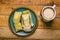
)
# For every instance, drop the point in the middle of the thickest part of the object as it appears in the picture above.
(57, 2)
(30, 2)
(4, 22)
(5, 32)
(7, 9)
(27, 2)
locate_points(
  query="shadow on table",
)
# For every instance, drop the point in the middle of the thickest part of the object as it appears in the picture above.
(48, 24)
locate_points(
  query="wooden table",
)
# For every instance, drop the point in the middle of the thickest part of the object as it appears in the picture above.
(50, 31)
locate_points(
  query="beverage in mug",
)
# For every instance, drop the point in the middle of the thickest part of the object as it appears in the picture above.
(48, 13)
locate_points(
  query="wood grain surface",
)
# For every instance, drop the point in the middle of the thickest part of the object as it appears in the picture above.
(44, 30)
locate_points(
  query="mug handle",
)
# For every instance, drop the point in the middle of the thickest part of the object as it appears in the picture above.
(54, 6)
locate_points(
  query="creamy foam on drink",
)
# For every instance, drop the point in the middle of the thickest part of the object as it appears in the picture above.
(48, 13)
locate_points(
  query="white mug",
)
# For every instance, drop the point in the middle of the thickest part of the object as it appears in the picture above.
(48, 13)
